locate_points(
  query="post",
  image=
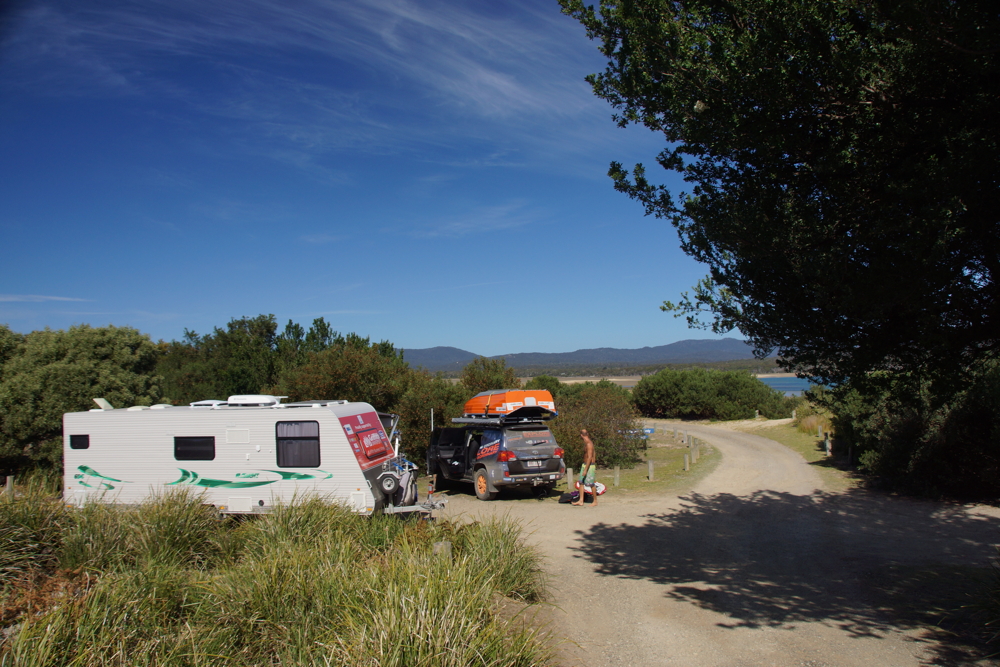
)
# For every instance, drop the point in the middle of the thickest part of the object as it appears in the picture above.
(694, 451)
(687, 463)
(687, 438)
(650, 463)
(432, 419)
(617, 475)
(8, 486)
(756, 414)
(675, 433)
(442, 549)
(819, 431)
(826, 443)
(569, 478)
(793, 414)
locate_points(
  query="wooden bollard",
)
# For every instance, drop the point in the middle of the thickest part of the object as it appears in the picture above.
(617, 475)
(819, 431)
(793, 414)
(8, 486)
(650, 463)
(687, 438)
(675, 433)
(687, 463)
(569, 478)
(694, 452)
(442, 549)
(828, 445)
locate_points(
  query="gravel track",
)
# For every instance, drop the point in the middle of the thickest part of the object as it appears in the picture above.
(756, 565)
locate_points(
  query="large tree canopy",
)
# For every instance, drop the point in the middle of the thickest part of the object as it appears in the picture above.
(51, 372)
(842, 156)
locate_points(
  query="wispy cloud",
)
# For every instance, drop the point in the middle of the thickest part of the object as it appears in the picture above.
(36, 298)
(480, 220)
(379, 69)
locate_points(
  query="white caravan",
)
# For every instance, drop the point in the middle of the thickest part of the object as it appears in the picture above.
(245, 454)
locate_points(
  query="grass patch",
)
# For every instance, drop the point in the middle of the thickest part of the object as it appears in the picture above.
(669, 476)
(167, 583)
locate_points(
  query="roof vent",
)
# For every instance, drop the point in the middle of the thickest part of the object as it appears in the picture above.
(210, 403)
(255, 401)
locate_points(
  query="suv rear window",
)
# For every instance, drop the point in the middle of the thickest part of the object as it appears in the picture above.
(529, 437)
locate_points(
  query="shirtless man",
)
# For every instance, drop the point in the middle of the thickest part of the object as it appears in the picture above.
(588, 470)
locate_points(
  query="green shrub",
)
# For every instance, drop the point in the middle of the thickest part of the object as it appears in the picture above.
(706, 394)
(920, 436)
(606, 411)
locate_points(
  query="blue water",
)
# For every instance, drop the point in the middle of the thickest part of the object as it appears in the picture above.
(789, 386)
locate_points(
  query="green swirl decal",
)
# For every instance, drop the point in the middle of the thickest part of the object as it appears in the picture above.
(93, 473)
(299, 475)
(191, 478)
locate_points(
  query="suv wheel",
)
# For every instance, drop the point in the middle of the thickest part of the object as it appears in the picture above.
(482, 485)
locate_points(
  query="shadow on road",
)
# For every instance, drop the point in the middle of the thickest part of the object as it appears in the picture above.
(858, 561)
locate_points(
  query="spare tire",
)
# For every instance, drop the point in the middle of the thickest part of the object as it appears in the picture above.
(388, 483)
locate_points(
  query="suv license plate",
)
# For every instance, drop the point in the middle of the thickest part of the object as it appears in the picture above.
(533, 464)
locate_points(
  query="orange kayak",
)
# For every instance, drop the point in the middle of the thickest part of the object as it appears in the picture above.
(506, 401)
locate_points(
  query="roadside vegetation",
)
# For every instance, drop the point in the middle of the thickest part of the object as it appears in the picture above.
(705, 394)
(168, 583)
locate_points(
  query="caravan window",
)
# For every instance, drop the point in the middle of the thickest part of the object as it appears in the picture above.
(298, 444)
(201, 448)
(79, 442)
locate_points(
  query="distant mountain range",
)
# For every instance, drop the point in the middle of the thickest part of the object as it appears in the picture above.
(681, 352)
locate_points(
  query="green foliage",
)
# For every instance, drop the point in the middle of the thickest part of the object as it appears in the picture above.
(546, 382)
(842, 163)
(309, 584)
(427, 392)
(53, 372)
(482, 374)
(354, 371)
(910, 439)
(701, 394)
(249, 356)
(606, 411)
(9, 340)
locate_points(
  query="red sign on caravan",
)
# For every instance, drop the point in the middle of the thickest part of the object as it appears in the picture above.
(368, 440)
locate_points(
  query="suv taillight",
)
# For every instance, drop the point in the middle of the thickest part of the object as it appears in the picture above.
(507, 456)
(559, 452)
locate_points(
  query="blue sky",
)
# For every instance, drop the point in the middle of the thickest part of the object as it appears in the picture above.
(431, 173)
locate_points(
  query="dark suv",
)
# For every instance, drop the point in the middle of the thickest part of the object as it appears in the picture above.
(517, 451)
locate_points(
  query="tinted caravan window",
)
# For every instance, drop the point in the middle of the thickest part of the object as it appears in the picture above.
(194, 448)
(298, 444)
(79, 442)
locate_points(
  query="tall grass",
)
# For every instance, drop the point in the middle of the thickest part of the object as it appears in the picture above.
(310, 584)
(31, 527)
(811, 424)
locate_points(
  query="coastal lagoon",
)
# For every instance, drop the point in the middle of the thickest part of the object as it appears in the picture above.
(790, 386)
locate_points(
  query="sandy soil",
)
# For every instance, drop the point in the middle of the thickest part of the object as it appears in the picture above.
(756, 565)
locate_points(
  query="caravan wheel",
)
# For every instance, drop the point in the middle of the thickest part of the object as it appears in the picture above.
(388, 484)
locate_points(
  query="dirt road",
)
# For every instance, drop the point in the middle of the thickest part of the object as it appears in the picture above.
(756, 565)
